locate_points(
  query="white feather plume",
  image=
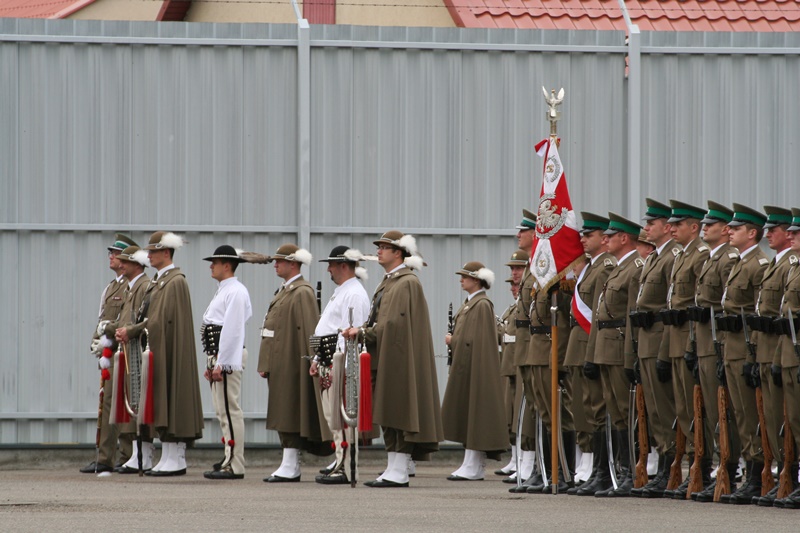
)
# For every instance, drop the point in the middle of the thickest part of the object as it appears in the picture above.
(408, 243)
(416, 262)
(486, 275)
(170, 240)
(301, 256)
(353, 255)
(361, 273)
(239, 251)
(140, 256)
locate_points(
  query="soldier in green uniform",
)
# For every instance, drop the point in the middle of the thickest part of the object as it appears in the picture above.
(787, 355)
(111, 301)
(741, 373)
(610, 348)
(653, 345)
(708, 294)
(507, 336)
(590, 282)
(768, 305)
(685, 222)
(525, 234)
(539, 357)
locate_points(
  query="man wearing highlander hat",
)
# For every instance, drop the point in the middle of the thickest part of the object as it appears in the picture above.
(295, 405)
(398, 334)
(348, 294)
(166, 312)
(222, 335)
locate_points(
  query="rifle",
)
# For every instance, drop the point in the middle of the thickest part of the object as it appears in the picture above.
(723, 485)
(450, 328)
(767, 481)
(675, 473)
(644, 449)
(696, 471)
(785, 483)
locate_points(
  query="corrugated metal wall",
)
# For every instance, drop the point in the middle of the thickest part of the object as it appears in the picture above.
(193, 128)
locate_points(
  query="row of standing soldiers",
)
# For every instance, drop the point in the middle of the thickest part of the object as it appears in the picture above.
(692, 348)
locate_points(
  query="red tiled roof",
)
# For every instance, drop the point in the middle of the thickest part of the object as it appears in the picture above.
(41, 9)
(649, 15)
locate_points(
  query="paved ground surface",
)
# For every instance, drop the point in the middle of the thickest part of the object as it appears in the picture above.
(42, 491)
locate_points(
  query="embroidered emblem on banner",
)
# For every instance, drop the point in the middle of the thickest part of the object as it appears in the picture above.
(549, 220)
(552, 170)
(541, 263)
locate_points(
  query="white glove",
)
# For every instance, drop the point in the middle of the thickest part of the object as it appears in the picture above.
(101, 327)
(105, 362)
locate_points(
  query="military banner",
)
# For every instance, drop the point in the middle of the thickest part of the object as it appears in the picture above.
(557, 242)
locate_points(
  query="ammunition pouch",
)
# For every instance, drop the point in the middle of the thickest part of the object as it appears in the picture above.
(644, 319)
(731, 323)
(763, 324)
(673, 317)
(209, 336)
(780, 326)
(324, 347)
(699, 314)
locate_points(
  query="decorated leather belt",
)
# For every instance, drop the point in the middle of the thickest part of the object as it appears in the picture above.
(522, 323)
(209, 336)
(540, 330)
(608, 324)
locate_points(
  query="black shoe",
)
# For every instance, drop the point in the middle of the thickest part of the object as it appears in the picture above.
(165, 473)
(280, 479)
(768, 499)
(222, 474)
(460, 478)
(336, 478)
(510, 481)
(91, 469)
(500, 472)
(216, 467)
(744, 494)
(792, 501)
(325, 471)
(680, 492)
(128, 470)
(706, 495)
(385, 484)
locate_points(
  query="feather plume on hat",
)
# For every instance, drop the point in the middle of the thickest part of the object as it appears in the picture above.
(353, 255)
(301, 255)
(171, 240)
(361, 273)
(486, 275)
(140, 256)
(408, 243)
(253, 257)
(415, 261)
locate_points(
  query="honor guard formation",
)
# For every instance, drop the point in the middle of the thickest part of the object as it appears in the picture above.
(676, 341)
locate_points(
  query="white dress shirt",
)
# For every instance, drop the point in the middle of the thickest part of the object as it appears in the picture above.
(230, 308)
(335, 316)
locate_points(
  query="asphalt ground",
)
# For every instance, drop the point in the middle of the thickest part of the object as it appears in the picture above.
(43, 491)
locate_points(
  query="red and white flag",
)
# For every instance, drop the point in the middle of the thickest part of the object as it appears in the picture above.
(556, 243)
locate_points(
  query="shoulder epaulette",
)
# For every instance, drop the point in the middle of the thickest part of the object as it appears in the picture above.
(639, 262)
(733, 255)
(702, 248)
(763, 261)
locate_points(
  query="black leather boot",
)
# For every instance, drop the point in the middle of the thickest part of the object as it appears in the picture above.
(625, 482)
(745, 493)
(602, 477)
(705, 472)
(656, 487)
